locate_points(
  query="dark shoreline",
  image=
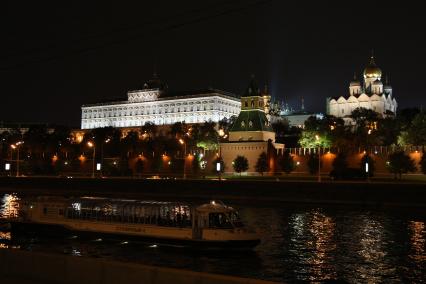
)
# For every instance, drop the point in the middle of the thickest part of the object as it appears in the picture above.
(375, 194)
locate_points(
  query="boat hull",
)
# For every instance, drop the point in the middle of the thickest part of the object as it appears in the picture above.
(62, 231)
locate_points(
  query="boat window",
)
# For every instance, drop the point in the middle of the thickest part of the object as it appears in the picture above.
(235, 219)
(170, 215)
(219, 220)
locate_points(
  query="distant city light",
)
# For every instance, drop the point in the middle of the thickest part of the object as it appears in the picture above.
(7, 167)
(98, 166)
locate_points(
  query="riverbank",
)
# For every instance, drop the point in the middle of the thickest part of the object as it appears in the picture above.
(400, 194)
(34, 267)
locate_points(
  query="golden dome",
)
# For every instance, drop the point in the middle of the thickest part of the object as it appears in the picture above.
(372, 71)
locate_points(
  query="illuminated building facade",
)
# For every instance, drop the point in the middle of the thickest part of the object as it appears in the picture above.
(251, 133)
(154, 103)
(371, 94)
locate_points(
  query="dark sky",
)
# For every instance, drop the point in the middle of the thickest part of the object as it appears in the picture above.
(56, 57)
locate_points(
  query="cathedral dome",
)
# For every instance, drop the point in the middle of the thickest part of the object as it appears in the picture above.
(372, 71)
(355, 83)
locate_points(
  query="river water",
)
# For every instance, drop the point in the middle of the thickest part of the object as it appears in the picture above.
(299, 243)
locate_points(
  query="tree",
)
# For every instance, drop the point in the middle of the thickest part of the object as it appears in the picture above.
(364, 117)
(366, 159)
(240, 164)
(226, 123)
(423, 163)
(178, 129)
(287, 162)
(387, 132)
(340, 164)
(130, 143)
(149, 129)
(139, 166)
(313, 163)
(262, 163)
(196, 164)
(207, 136)
(417, 131)
(400, 163)
(309, 139)
(281, 127)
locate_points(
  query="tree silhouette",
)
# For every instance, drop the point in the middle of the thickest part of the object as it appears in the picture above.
(240, 164)
(262, 163)
(400, 163)
(313, 163)
(287, 162)
(340, 164)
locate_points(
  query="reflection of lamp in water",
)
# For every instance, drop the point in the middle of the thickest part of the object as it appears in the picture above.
(417, 239)
(10, 206)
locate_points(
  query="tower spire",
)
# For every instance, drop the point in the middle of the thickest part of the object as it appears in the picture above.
(303, 104)
(372, 62)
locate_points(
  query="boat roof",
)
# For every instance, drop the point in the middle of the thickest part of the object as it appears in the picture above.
(214, 207)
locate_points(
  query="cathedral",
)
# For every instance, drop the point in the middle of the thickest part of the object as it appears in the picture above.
(370, 94)
(155, 103)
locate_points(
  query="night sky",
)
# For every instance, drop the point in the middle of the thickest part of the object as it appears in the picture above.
(54, 58)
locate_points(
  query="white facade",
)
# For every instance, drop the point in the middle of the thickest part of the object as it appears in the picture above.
(372, 94)
(149, 105)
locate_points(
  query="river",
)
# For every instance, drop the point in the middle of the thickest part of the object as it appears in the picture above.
(299, 243)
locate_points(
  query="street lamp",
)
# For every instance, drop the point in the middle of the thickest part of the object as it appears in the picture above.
(16, 146)
(92, 145)
(106, 141)
(367, 157)
(182, 142)
(317, 138)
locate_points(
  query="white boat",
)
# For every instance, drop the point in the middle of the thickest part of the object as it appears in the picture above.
(211, 225)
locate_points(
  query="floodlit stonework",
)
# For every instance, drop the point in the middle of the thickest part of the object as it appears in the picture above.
(154, 103)
(251, 134)
(371, 94)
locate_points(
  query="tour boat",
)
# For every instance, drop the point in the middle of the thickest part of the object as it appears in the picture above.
(211, 225)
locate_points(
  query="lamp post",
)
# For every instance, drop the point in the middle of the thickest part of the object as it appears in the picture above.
(16, 146)
(92, 145)
(182, 142)
(317, 138)
(367, 157)
(106, 141)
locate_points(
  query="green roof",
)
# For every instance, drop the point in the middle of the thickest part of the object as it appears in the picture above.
(251, 120)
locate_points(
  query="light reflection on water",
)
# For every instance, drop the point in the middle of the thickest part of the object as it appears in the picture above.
(9, 206)
(298, 244)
